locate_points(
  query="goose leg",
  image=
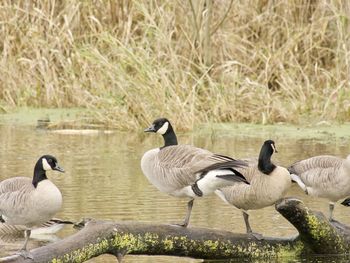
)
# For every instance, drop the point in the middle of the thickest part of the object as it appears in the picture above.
(27, 236)
(331, 208)
(246, 221)
(120, 257)
(188, 215)
(248, 228)
(24, 252)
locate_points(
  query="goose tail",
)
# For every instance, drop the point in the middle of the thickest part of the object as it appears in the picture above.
(217, 179)
(234, 177)
(293, 175)
(346, 202)
(227, 171)
(48, 228)
(52, 226)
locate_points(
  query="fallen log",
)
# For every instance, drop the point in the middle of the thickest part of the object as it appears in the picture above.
(316, 236)
(315, 230)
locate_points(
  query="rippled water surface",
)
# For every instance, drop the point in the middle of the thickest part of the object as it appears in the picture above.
(103, 179)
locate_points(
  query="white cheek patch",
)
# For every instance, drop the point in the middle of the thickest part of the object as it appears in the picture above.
(46, 165)
(273, 147)
(164, 128)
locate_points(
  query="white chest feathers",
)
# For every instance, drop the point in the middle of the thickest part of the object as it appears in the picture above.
(34, 206)
(150, 168)
(47, 198)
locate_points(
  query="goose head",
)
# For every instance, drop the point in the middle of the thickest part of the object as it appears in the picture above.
(265, 165)
(163, 127)
(270, 147)
(45, 163)
(49, 162)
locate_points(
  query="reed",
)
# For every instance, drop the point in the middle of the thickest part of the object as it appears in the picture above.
(194, 61)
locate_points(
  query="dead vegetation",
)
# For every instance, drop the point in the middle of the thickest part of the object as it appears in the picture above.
(193, 61)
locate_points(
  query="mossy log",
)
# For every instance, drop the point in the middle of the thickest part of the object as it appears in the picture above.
(317, 236)
(315, 230)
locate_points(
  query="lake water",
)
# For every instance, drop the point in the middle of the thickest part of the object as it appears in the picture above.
(103, 179)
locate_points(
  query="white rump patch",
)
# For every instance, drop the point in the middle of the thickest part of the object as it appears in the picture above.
(164, 128)
(211, 182)
(220, 194)
(46, 165)
(297, 179)
(46, 230)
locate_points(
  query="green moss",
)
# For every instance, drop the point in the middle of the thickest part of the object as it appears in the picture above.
(254, 250)
(85, 253)
(324, 234)
(143, 243)
(128, 241)
(291, 251)
(168, 244)
(317, 230)
(211, 245)
(150, 238)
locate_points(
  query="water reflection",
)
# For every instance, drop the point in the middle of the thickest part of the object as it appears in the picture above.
(103, 179)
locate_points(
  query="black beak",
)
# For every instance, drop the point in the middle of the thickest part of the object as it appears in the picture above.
(150, 129)
(58, 168)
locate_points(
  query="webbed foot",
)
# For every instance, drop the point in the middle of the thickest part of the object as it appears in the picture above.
(179, 224)
(256, 235)
(24, 253)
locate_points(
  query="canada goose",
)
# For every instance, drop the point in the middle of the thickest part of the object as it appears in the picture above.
(181, 170)
(268, 183)
(30, 202)
(323, 176)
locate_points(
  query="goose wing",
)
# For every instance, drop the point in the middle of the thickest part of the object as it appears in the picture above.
(13, 192)
(251, 161)
(183, 164)
(317, 170)
(13, 184)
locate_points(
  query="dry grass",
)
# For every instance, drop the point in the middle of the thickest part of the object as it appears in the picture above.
(193, 61)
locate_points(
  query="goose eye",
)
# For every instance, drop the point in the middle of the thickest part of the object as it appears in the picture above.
(49, 161)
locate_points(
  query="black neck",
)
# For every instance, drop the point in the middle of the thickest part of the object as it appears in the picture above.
(265, 165)
(39, 174)
(169, 137)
